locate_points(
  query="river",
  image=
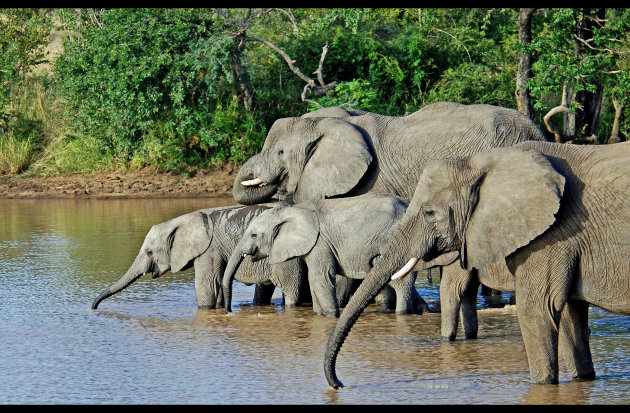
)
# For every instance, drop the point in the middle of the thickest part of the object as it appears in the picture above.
(150, 344)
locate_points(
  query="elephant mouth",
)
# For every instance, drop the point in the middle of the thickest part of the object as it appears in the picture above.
(255, 254)
(256, 182)
(405, 269)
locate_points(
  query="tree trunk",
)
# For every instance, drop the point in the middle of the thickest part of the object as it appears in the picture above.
(238, 75)
(523, 100)
(586, 118)
(615, 134)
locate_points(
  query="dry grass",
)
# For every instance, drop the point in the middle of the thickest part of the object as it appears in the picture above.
(15, 154)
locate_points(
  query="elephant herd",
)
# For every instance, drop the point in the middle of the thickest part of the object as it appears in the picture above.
(341, 208)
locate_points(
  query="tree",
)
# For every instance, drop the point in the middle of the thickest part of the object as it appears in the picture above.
(239, 30)
(23, 37)
(523, 100)
(580, 58)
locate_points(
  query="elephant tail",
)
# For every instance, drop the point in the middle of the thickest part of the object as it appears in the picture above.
(366, 292)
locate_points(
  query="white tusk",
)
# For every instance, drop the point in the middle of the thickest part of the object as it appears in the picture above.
(244, 255)
(406, 269)
(252, 182)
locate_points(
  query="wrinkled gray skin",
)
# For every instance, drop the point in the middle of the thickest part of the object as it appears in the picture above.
(332, 236)
(557, 215)
(205, 239)
(335, 152)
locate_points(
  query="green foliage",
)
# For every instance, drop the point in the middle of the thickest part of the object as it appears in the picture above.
(564, 60)
(145, 73)
(23, 36)
(162, 87)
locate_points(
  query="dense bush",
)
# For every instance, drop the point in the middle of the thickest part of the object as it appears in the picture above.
(148, 85)
(185, 88)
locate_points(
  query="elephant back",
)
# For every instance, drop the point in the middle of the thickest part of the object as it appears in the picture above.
(466, 129)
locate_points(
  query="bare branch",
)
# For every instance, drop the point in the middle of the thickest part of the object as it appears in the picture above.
(615, 134)
(290, 15)
(305, 99)
(286, 58)
(587, 44)
(463, 45)
(551, 127)
(311, 86)
(318, 72)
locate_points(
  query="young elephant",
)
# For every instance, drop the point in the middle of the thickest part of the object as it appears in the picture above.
(334, 237)
(205, 239)
(557, 215)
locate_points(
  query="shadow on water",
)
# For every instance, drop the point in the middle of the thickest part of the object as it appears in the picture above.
(150, 344)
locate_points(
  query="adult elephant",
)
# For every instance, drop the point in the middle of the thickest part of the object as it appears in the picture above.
(335, 152)
(331, 236)
(205, 239)
(557, 215)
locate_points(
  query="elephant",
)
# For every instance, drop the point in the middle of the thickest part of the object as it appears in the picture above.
(331, 235)
(557, 216)
(205, 238)
(334, 152)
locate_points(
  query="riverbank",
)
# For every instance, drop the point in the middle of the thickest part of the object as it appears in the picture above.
(122, 184)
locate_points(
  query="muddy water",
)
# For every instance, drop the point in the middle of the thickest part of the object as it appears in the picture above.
(150, 345)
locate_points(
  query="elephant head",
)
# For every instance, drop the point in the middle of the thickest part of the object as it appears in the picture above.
(171, 245)
(280, 234)
(480, 209)
(314, 156)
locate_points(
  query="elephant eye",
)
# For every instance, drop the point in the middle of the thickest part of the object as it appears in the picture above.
(280, 152)
(149, 252)
(254, 235)
(428, 213)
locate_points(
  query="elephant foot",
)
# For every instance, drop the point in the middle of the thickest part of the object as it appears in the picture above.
(471, 336)
(450, 337)
(408, 311)
(206, 307)
(585, 377)
(549, 379)
(330, 314)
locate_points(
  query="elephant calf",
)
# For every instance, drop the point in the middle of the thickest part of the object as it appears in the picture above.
(205, 239)
(334, 237)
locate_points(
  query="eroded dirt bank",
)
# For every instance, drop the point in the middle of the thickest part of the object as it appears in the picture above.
(140, 183)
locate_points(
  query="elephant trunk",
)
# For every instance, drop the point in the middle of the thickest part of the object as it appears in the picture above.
(137, 269)
(250, 188)
(228, 277)
(366, 292)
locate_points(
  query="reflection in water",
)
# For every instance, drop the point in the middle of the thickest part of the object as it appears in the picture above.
(149, 344)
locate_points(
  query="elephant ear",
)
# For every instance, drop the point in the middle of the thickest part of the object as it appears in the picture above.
(339, 159)
(294, 235)
(191, 238)
(519, 193)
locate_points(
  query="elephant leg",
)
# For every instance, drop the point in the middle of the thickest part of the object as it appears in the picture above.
(540, 335)
(408, 301)
(458, 296)
(345, 287)
(539, 319)
(386, 299)
(321, 278)
(263, 294)
(290, 276)
(208, 273)
(468, 309)
(574, 340)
